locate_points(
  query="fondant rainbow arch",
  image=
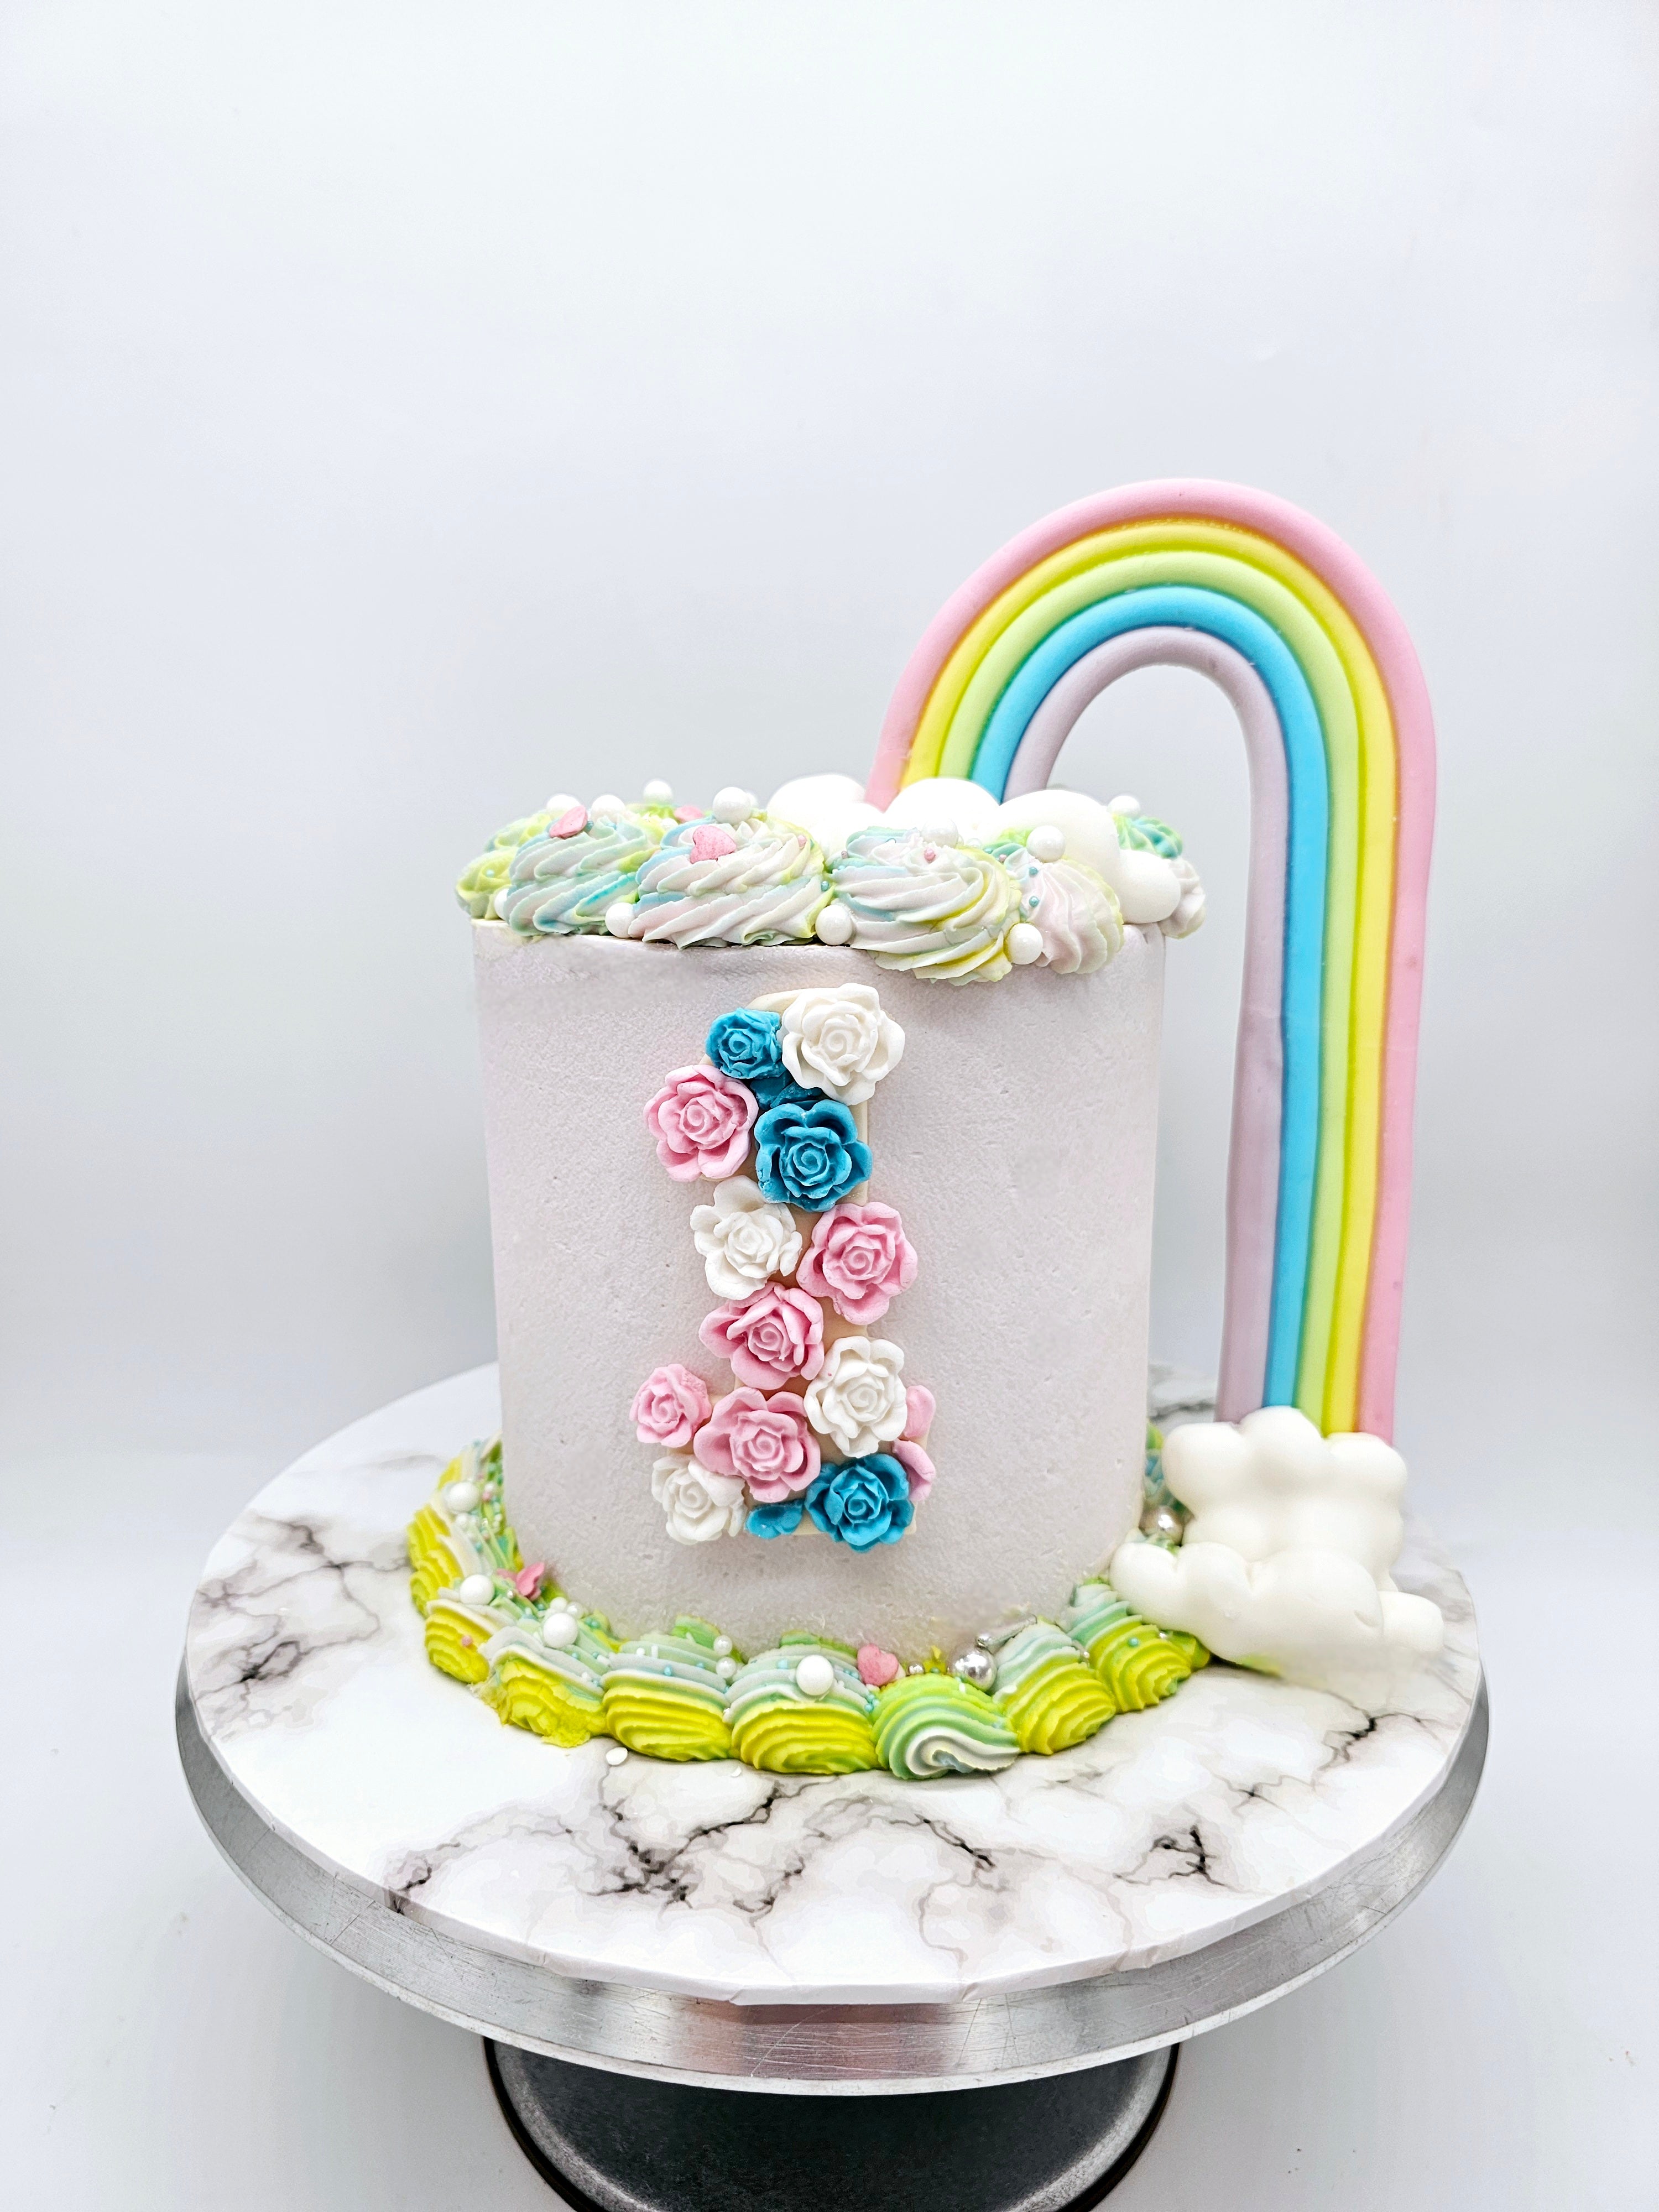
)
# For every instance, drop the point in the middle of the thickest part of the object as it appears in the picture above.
(1275, 608)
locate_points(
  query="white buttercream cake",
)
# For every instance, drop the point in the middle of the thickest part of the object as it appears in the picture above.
(1015, 1139)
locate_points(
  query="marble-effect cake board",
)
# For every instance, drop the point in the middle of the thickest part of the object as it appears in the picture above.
(712, 1924)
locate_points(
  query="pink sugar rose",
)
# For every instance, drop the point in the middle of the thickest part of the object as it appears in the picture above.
(701, 1120)
(920, 1406)
(768, 1338)
(877, 1666)
(860, 1259)
(917, 1466)
(764, 1441)
(671, 1404)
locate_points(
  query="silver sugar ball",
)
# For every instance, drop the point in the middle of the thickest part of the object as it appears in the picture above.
(976, 1667)
(1162, 1524)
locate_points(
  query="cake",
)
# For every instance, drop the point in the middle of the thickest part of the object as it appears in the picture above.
(821, 1137)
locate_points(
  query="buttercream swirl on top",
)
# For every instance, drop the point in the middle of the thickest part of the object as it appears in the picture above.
(759, 881)
(480, 879)
(564, 884)
(930, 909)
(1074, 910)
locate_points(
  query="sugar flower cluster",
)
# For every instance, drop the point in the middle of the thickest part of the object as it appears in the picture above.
(821, 1429)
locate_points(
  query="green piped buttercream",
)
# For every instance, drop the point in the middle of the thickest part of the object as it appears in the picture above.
(480, 880)
(1047, 1691)
(929, 1725)
(434, 1563)
(1144, 833)
(1139, 1663)
(456, 1635)
(444, 1546)
(663, 1697)
(556, 1694)
(777, 1727)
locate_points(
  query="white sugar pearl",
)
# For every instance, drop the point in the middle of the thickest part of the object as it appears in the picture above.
(1123, 804)
(1047, 842)
(476, 1589)
(725, 1668)
(619, 919)
(559, 1631)
(734, 804)
(658, 794)
(461, 1496)
(608, 803)
(815, 1677)
(722, 1647)
(561, 803)
(1023, 944)
(833, 926)
(616, 1755)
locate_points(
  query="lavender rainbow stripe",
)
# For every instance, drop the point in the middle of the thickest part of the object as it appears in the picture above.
(1259, 1063)
(1228, 559)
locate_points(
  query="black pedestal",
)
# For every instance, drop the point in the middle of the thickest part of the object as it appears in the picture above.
(618, 2142)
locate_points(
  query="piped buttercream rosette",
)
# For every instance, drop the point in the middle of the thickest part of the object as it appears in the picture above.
(926, 906)
(754, 881)
(821, 1432)
(563, 882)
(1046, 879)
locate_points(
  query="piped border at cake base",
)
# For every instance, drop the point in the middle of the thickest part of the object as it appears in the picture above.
(811, 1705)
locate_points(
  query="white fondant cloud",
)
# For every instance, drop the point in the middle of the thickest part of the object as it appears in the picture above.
(1284, 1562)
(1313, 1617)
(827, 807)
(1273, 1484)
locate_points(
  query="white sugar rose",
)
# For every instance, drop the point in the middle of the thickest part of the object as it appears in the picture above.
(840, 1042)
(700, 1506)
(858, 1398)
(743, 1238)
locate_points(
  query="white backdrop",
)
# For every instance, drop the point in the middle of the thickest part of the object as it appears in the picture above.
(411, 409)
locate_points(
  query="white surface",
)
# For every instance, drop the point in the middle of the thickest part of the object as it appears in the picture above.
(1016, 1136)
(1165, 1830)
(166, 2041)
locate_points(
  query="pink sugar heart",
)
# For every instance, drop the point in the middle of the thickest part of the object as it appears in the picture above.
(877, 1666)
(528, 1581)
(570, 824)
(711, 843)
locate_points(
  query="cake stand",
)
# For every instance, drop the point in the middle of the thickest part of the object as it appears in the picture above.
(683, 1973)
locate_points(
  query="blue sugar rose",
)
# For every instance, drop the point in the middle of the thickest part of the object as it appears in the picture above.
(744, 1045)
(862, 1502)
(782, 1520)
(809, 1155)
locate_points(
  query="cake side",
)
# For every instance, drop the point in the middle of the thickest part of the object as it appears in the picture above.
(1017, 1140)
